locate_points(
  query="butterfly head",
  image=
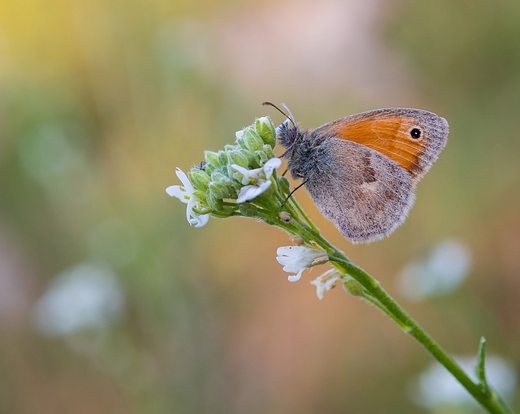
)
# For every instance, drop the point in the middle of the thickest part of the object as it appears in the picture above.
(289, 136)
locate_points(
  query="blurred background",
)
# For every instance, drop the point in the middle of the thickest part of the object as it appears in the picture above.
(111, 303)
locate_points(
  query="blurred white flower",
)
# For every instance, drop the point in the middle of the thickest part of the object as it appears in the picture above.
(436, 387)
(185, 193)
(439, 274)
(295, 259)
(326, 282)
(86, 296)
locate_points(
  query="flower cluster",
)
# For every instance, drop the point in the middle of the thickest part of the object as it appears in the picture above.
(240, 180)
(242, 172)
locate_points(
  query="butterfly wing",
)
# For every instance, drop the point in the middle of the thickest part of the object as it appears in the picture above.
(412, 138)
(365, 193)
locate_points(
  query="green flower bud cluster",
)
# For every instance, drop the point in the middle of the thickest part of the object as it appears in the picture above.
(217, 181)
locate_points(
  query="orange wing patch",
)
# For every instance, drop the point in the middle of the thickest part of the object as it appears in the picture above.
(388, 136)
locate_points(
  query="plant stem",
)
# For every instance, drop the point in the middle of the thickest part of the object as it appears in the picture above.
(491, 401)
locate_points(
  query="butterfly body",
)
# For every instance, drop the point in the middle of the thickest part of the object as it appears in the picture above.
(361, 170)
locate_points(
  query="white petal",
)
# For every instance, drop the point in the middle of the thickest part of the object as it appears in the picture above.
(185, 194)
(326, 282)
(264, 186)
(295, 259)
(289, 264)
(179, 192)
(240, 169)
(284, 250)
(250, 192)
(296, 277)
(271, 165)
(199, 221)
(189, 211)
(265, 120)
(248, 175)
(193, 218)
(185, 181)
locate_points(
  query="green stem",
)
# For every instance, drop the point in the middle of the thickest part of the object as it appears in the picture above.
(382, 308)
(489, 400)
(302, 213)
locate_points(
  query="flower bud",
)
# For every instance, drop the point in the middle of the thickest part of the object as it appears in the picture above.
(211, 157)
(353, 287)
(252, 159)
(222, 158)
(266, 130)
(262, 155)
(200, 179)
(200, 195)
(268, 151)
(214, 202)
(238, 157)
(218, 191)
(251, 139)
(240, 139)
(218, 177)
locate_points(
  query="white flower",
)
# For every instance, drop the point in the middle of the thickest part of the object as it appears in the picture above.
(271, 165)
(248, 175)
(260, 176)
(249, 192)
(326, 282)
(295, 259)
(185, 193)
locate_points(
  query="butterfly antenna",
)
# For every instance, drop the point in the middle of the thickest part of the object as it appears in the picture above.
(290, 113)
(289, 117)
(292, 192)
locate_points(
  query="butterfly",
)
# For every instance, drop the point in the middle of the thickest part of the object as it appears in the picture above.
(362, 170)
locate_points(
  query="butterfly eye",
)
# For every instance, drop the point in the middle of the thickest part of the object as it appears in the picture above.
(415, 133)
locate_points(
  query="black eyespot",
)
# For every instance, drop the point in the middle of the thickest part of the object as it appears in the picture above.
(415, 133)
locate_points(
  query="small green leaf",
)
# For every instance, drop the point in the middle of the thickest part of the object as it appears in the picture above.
(481, 366)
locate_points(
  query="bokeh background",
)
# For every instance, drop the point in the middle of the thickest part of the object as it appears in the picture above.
(111, 303)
